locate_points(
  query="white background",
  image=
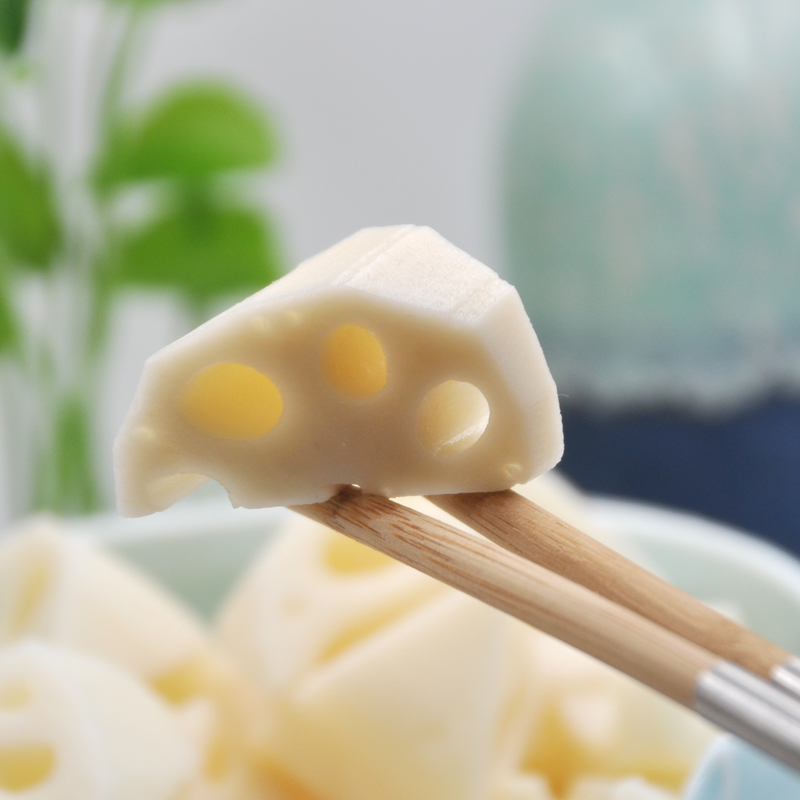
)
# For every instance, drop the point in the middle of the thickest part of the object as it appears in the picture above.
(387, 112)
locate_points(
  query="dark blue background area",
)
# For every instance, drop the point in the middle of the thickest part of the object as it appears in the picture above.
(742, 469)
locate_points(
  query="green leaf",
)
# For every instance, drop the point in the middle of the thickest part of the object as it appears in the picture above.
(194, 131)
(13, 15)
(8, 322)
(203, 253)
(29, 227)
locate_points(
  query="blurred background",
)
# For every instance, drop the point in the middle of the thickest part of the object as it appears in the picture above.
(633, 167)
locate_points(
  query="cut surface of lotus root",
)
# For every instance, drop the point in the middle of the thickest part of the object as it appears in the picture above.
(392, 361)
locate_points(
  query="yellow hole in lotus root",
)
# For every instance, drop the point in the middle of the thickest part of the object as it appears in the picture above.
(24, 766)
(346, 556)
(232, 401)
(353, 362)
(187, 681)
(451, 418)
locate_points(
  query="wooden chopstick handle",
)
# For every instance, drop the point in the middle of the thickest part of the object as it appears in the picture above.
(555, 605)
(530, 531)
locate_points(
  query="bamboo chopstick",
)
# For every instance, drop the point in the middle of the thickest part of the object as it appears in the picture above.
(682, 670)
(524, 528)
(525, 590)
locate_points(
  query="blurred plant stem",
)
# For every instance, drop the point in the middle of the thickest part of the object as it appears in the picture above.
(200, 239)
(66, 479)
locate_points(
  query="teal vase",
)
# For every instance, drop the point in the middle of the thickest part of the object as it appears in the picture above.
(653, 199)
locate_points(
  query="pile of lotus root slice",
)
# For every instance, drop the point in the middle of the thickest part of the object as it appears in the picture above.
(331, 673)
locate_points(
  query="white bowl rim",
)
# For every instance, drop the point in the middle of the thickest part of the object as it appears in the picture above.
(691, 532)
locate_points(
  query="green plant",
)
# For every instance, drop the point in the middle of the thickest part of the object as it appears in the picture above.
(201, 239)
